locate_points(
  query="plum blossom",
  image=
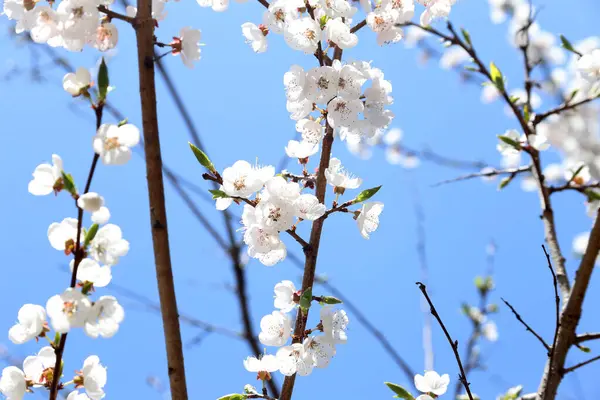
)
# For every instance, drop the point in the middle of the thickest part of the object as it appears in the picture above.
(294, 359)
(63, 235)
(93, 375)
(302, 149)
(338, 177)
(38, 368)
(12, 383)
(303, 34)
(334, 324)
(90, 271)
(256, 36)
(338, 32)
(263, 366)
(308, 207)
(90, 201)
(187, 45)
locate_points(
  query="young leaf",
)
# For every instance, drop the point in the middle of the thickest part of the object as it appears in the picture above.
(568, 46)
(218, 194)
(584, 349)
(510, 141)
(467, 36)
(202, 158)
(123, 122)
(90, 234)
(592, 195)
(233, 396)
(497, 77)
(526, 113)
(366, 195)
(330, 300)
(103, 81)
(69, 183)
(401, 393)
(504, 182)
(306, 299)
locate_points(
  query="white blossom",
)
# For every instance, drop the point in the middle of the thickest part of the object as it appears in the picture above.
(104, 318)
(242, 179)
(113, 143)
(35, 367)
(334, 323)
(312, 131)
(275, 328)
(90, 201)
(263, 366)
(294, 359)
(63, 235)
(77, 83)
(12, 382)
(31, 319)
(589, 65)
(90, 271)
(47, 178)
(94, 377)
(320, 349)
(101, 216)
(337, 176)
(432, 383)
(490, 331)
(338, 32)
(68, 310)
(303, 34)
(108, 245)
(187, 45)
(284, 296)
(308, 207)
(255, 36)
(302, 149)
(295, 83)
(368, 220)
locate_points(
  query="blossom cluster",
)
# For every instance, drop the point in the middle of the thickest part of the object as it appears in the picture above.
(95, 250)
(303, 354)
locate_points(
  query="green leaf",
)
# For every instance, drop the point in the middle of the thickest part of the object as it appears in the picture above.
(87, 287)
(467, 36)
(330, 300)
(514, 99)
(592, 195)
(218, 194)
(576, 173)
(401, 393)
(56, 340)
(510, 141)
(202, 158)
(567, 45)
(504, 182)
(471, 68)
(124, 122)
(526, 113)
(103, 81)
(323, 21)
(69, 183)
(306, 299)
(366, 195)
(233, 396)
(90, 234)
(497, 77)
(572, 96)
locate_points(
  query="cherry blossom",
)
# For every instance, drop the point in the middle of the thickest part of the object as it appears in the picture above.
(301, 150)
(285, 293)
(90, 271)
(303, 34)
(338, 177)
(294, 359)
(312, 131)
(47, 178)
(432, 383)
(113, 143)
(32, 319)
(263, 366)
(308, 207)
(108, 245)
(275, 329)
(338, 32)
(101, 216)
(187, 45)
(68, 310)
(256, 36)
(90, 202)
(38, 368)
(104, 318)
(63, 235)
(334, 324)
(12, 382)
(94, 377)
(320, 349)
(368, 220)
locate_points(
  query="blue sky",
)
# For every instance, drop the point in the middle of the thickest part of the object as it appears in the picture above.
(237, 100)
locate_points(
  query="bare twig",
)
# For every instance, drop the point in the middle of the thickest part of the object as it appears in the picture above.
(527, 327)
(454, 344)
(560, 109)
(557, 308)
(581, 364)
(511, 172)
(584, 337)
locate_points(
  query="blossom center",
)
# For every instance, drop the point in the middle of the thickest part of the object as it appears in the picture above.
(111, 143)
(239, 183)
(310, 34)
(69, 308)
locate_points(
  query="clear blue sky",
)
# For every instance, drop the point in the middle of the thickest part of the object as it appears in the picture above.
(237, 99)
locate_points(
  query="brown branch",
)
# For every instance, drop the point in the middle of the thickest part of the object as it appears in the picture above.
(358, 26)
(560, 109)
(527, 327)
(568, 186)
(581, 364)
(78, 256)
(462, 377)
(512, 172)
(570, 317)
(584, 337)
(114, 15)
(557, 308)
(144, 28)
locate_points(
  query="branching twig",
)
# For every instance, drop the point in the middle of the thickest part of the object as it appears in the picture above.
(581, 364)
(584, 337)
(454, 344)
(557, 308)
(527, 327)
(512, 172)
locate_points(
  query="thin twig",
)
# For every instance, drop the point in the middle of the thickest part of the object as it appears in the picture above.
(560, 109)
(454, 344)
(557, 308)
(527, 327)
(512, 172)
(581, 364)
(584, 337)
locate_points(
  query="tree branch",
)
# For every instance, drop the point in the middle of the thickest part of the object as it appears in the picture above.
(454, 344)
(527, 327)
(144, 28)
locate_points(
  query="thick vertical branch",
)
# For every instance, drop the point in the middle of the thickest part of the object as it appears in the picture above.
(144, 25)
(569, 318)
(311, 251)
